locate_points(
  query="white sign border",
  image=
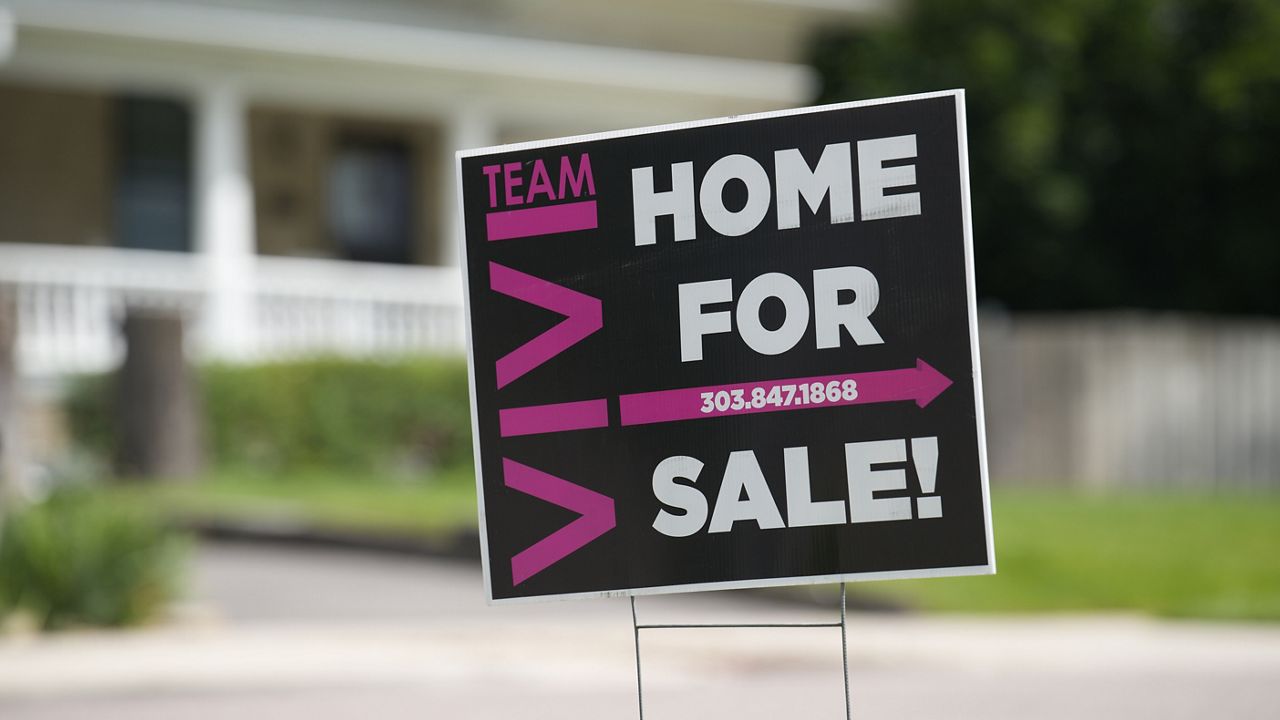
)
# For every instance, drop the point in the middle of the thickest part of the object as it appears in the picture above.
(966, 219)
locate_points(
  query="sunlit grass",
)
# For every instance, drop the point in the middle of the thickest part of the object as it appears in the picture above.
(1170, 555)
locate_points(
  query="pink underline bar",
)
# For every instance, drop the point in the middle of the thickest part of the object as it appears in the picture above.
(528, 222)
(556, 417)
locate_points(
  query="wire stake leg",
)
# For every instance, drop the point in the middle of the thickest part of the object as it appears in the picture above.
(844, 654)
(635, 629)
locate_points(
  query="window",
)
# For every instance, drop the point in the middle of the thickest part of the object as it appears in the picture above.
(371, 199)
(152, 190)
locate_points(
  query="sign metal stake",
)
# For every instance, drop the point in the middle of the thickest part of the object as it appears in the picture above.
(636, 627)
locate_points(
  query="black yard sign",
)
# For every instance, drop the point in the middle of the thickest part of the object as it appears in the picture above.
(727, 354)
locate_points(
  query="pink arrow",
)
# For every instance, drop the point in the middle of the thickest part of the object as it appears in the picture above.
(921, 384)
(583, 315)
(596, 510)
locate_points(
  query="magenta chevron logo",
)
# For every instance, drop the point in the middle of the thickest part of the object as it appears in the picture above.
(596, 510)
(583, 315)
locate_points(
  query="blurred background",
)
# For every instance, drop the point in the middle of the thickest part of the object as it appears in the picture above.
(235, 464)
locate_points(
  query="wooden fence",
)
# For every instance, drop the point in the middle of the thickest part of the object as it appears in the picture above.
(1132, 400)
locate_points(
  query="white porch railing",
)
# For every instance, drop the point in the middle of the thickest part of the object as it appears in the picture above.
(71, 300)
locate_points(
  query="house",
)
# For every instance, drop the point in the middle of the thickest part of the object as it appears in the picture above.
(281, 171)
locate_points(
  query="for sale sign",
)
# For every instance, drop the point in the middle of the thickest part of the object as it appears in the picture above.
(726, 354)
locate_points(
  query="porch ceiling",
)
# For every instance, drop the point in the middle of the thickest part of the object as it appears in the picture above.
(493, 64)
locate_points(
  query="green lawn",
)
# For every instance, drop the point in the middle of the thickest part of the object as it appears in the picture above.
(1179, 556)
(323, 500)
(1170, 555)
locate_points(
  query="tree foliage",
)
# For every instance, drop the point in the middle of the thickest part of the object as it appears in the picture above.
(1121, 153)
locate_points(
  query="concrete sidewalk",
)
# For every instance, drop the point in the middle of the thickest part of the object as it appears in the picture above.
(323, 634)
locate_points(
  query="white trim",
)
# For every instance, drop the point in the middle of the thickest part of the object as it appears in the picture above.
(471, 380)
(798, 580)
(70, 298)
(971, 292)
(433, 48)
(966, 219)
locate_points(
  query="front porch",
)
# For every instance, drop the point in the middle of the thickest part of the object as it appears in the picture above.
(70, 302)
(285, 178)
(275, 231)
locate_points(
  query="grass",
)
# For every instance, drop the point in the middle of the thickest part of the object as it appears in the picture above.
(325, 500)
(1168, 555)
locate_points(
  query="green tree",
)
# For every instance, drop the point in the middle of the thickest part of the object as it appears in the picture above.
(1122, 153)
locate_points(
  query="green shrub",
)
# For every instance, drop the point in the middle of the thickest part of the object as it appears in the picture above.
(89, 407)
(339, 414)
(357, 416)
(76, 559)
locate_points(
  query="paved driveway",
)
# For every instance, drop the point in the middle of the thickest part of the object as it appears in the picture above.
(320, 634)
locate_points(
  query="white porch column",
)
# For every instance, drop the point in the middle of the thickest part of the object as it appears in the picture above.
(224, 216)
(468, 127)
(7, 34)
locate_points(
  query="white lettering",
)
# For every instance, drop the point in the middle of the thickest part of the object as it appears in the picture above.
(795, 317)
(680, 496)
(694, 324)
(864, 482)
(802, 511)
(742, 474)
(874, 178)
(677, 202)
(832, 177)
(711, 195)
(829, 315)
